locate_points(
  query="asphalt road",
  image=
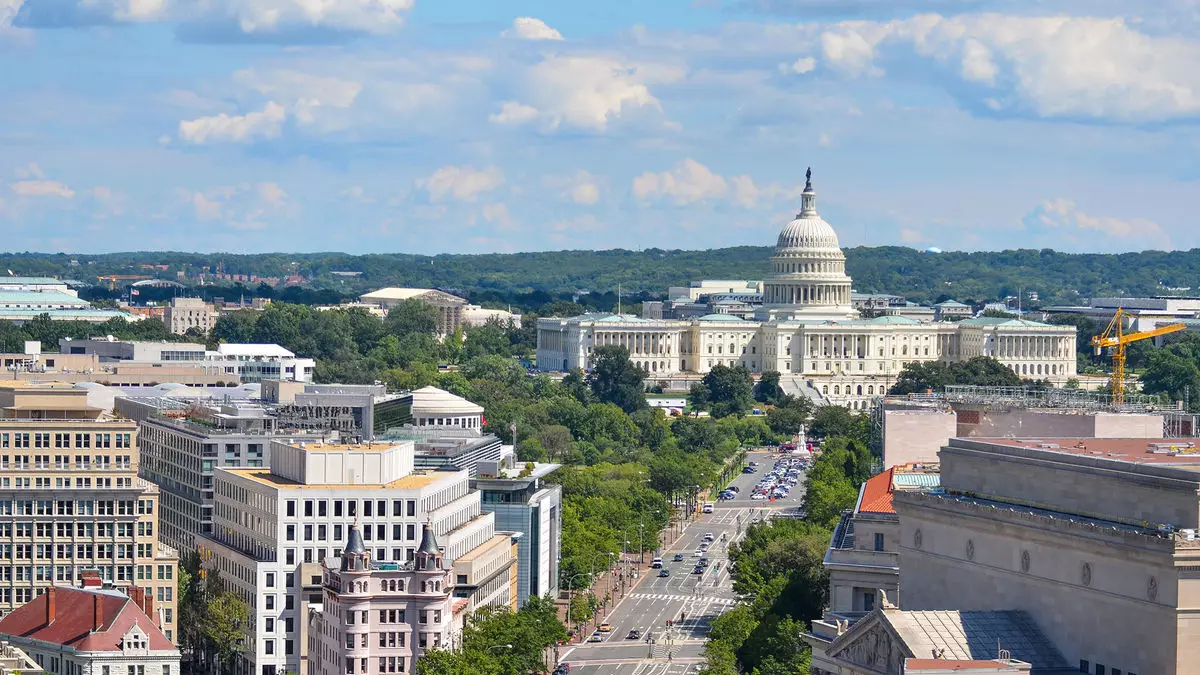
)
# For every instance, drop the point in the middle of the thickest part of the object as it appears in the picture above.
(691, 601)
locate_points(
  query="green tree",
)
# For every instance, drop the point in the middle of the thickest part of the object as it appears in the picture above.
(412, 316)
(767, 390)
(614, 379)
(836, 420)
(730, 390)
(790, 415)
(1171, 375)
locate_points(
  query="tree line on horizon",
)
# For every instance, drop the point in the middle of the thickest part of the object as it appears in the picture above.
(533, 279)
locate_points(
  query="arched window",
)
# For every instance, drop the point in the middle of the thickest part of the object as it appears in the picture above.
(836, 390)
(825, 389)
(870, 389)
(859, 390)
(904, 350)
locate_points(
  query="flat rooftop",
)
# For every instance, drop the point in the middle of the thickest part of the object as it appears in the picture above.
(1171, 452)
(413, 481)
(346, 447)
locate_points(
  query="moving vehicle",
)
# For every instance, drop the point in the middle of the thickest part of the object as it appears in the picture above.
(708, 507)
(562, 669)
(604, 628)
(634, 635)
(758, 496)
(699, 570)
(704, 547)
(656, 564)
(708, 536)
(678, 557)
(747, 469)
(664, 572)
(596, 637)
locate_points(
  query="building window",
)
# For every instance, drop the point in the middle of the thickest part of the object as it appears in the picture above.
(878, 541)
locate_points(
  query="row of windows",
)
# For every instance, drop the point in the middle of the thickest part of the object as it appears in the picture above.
(63, 440)
(103, 507)
(407, 532)
(321, 507)
(63, 462)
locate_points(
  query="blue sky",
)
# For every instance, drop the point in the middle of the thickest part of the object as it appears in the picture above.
(483, 126)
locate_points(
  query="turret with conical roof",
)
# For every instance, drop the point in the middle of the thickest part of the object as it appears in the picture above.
(355, 558)
(428, 556)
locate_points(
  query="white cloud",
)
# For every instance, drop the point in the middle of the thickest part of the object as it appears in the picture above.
(461, 183)
(271, 193)
(803, 65)
(581, 188)
(42, 188)
(206, 208)
(1052, 66)
(977, 64)
(512, 112)
(588, 92)
(529, 28)
(497, 214)
(302, 93)
(357, 193)
(1062, 214)
(687, 183)
(749, 195)
(235, 128)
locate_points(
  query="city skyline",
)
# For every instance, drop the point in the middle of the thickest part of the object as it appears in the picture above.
(402, 125)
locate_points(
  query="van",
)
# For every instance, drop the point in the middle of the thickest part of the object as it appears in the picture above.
(656, 563)
(708, 508)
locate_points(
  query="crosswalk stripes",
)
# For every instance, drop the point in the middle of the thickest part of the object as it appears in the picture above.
(667, 596)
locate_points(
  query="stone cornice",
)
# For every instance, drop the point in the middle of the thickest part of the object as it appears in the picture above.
(1023, 516)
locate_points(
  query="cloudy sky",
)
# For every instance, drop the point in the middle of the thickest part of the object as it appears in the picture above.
(477, 125)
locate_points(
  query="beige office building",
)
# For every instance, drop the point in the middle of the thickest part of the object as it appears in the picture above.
(184, 314)
(71, 501)
(1093, 539)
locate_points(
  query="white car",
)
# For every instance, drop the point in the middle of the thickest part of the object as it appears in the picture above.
(757, 496)
(708, 536)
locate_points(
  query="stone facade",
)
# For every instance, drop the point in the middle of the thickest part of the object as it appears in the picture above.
(1096, 539)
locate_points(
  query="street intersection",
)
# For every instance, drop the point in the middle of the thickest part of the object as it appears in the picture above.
(688, 601)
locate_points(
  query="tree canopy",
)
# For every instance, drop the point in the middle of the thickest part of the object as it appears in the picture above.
(920, 376)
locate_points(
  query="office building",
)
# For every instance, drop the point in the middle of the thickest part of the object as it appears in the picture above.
(91, 631)
(185, 440)
(523, 502)
(71, 501)
(274, 526)
(377, 618)
(184, 314)
(362, 411)
(237, 362)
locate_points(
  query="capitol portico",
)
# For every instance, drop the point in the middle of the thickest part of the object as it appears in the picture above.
(807, 330)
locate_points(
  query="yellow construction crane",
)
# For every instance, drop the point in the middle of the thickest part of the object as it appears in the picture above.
(1114, 336)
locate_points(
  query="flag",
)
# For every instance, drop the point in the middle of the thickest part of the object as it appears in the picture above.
(135, 292)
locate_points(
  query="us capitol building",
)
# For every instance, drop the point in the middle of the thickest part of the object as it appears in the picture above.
(807, 330)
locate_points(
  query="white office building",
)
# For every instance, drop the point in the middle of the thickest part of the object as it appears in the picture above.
(274, 527)
(247, 362)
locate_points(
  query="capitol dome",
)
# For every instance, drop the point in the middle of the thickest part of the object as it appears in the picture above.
(808, 232)
(808, 279)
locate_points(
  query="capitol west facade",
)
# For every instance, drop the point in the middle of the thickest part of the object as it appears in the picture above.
(807, 330)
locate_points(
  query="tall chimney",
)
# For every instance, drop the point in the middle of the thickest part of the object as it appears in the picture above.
(97, 611)
(51, 609)
(148, 608)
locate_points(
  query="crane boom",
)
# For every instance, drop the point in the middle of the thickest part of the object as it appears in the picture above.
(1115, 337)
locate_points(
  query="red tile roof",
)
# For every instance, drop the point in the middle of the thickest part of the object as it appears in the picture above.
(940, 665)
(91, 620)
(877, 494)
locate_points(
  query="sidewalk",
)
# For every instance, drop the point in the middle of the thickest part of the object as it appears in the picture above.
(607, 586)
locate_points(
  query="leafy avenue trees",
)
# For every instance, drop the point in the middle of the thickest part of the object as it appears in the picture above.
(919, 377)
(497, 641)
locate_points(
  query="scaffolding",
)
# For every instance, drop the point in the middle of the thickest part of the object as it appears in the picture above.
(1047, 397)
